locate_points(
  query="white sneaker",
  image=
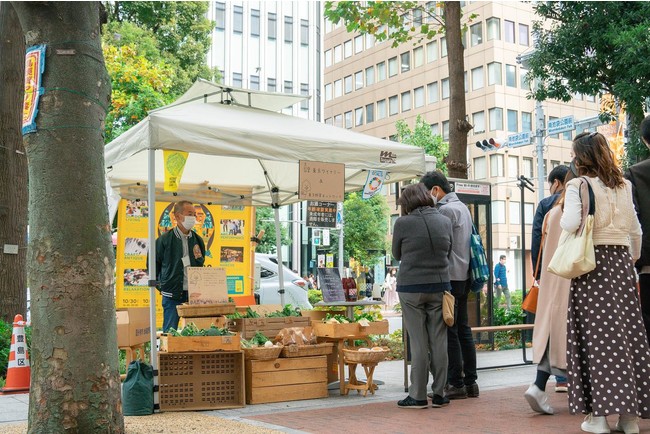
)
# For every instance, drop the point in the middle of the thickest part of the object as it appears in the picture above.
(538, 400)
(595, 424)
(628, 423)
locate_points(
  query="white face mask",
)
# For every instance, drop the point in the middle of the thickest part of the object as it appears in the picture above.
(189, 222)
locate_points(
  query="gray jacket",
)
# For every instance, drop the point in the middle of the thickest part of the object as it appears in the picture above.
(461, 221)
(423, 259)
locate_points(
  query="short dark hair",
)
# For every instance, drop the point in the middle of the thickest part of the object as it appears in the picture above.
(178, 206)
(645, 128)
(558, 173)
(502, 257)
(414, 196)
(436, 178)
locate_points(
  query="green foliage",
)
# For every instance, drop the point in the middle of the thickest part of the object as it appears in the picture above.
(394, 343)
(422, 137)
(593, 48)
(264, 220)
(365, 228)
(314, 295)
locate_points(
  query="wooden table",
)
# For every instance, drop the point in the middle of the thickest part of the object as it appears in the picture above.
(349, 305)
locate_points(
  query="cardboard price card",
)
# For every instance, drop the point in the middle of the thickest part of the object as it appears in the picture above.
(207, 285)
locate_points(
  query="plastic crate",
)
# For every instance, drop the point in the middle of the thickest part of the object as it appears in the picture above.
(201, 381)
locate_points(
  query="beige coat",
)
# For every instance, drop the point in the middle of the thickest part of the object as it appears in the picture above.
(553, 300)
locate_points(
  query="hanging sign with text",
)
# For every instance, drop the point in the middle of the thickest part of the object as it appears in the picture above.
(321, 214)
(321, 181)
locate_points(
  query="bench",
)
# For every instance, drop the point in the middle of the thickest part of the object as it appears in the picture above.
(502, 328)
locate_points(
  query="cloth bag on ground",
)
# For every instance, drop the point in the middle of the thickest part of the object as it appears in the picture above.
(448, 302)
(575, 252)
(137, 390)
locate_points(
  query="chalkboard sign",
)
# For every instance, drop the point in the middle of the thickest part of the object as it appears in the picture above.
(330, 285)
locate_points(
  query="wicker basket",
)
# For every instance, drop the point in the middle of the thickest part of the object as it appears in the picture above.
(355, 356)
(307, 350)
(262, 353)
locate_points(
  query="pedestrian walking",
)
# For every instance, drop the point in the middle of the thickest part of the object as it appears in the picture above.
(501, 282)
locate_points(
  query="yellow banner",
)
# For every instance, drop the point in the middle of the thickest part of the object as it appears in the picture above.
(174, 165)
(226, 232)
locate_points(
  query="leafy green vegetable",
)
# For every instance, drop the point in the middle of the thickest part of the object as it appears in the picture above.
(259, 339)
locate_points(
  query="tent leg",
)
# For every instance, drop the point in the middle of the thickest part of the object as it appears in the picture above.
(151, 200)
(278, 244)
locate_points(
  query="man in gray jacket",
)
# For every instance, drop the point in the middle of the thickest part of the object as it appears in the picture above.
(462, 376)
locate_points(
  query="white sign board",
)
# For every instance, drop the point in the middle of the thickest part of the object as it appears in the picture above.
(520, 139)
(556, 126)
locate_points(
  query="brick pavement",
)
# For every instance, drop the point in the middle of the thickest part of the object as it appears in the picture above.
(501, 411)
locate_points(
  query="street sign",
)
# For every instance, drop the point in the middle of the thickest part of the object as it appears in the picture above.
(561, 125)
(520, 139)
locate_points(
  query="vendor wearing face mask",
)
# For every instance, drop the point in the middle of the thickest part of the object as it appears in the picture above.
(175, 251)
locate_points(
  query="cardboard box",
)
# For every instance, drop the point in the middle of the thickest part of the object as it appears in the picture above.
(133, 326)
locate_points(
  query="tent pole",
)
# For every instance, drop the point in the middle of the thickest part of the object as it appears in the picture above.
(275, 203)
(341, 262)
(151, 201)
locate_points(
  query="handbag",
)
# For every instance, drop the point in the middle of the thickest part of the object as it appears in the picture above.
(448, 300)
(575, 252)
(530, 301)
(479, 270)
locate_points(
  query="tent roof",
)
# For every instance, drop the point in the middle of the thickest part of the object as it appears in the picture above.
(236, 154)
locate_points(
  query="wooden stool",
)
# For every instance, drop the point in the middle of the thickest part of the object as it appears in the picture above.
(354, 384)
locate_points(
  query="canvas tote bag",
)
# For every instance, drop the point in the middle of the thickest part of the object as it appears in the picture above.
(575, 252)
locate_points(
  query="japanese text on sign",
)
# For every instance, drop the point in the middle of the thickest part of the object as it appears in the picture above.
(561, 125)
(321, 181)
(321, 214)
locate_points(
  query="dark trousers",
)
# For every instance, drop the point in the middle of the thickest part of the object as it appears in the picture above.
(644, 284)
(170, 314)
(460, 342)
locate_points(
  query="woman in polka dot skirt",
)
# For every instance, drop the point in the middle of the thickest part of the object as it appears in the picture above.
(608, 359)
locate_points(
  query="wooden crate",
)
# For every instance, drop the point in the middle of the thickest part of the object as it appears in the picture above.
(204, 322)
(269, 326)
(182, 344)
(286, 379)
(349, 329)
(203, 310)
(201, 381)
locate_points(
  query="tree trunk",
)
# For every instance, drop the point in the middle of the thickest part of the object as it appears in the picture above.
(75, 384)
(458, 125)
(13, 167)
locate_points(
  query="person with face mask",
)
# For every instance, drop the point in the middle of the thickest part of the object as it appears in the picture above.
(176, 250)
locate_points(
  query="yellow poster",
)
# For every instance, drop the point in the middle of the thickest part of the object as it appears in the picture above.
(226, 232)
(174, 165)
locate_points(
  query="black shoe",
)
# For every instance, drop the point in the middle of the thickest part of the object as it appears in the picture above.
(439, 401)
(472, 390)
(453, 392)
(409, 402)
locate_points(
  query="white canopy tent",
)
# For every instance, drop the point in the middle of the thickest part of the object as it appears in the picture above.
(240, 155)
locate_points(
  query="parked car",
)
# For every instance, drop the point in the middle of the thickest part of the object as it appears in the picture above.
(295, 287)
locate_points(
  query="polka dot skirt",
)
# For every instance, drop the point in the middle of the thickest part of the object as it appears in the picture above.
(608, 360)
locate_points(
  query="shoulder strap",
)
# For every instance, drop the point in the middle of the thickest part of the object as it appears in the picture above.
(426, 225)
(541, 246)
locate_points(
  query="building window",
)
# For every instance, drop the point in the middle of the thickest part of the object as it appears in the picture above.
(381, 71)
(435, 129)
(515, 213)
(493, 28)
(304, 90)
(445, 130)
(329, 121)
(220, 16)
(358, 44)
(526, 121)
(567, 135)
(348, 119)
(347, 48)
(432, 92)
(370, 113)
(527, 169)
(496, 165)
(270, 85)
(255, 22)
(553, 136)
(554, 164)
(328, 58)
(358, 116)
(328, 92)
(236, 79)
(478, 119)
(417, 17)
(445, 88)
(418, 57)
(338, 54)
(418, 94)
(523, 82)
(288, 29)
(358, 80)
(407, 104)
(338, 88)
(328, 26)
(529, 213)
(476, 34)
(370, 75)
(370, 41)
(477, 78)
(405, 62)
(392, 66)
(509, 31)
(512, 121)
(523, 34)
(499, 212)
(304, 32)
(393, 105)
(432, 51)
(381, 109)
(338, 121)
(496, 119)
(443, 47)
(238, 20)
(465, 82)
(255, 82)
(288, 86)
(480, 171)
(347, 84)
(513, 166)
(511, 75)
(494, 73)
(272, 30)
